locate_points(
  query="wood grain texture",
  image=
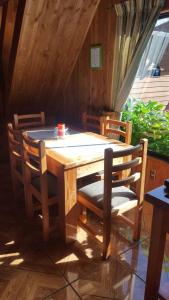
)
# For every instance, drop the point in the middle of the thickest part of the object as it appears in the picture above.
(36, 165)
(160, 227)
(54, 42)
(8, 34)
(81, 149)
(72, 158)
(89, 87)
(3, 12)
(157, 171)
(52, 36)
(105, 205)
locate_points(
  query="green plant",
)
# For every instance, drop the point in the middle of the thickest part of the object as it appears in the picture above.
(148, 120)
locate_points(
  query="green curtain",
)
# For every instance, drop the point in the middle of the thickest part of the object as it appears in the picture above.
(136, 20)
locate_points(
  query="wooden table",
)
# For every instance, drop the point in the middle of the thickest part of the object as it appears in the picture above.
(159, 198)
(73, 157)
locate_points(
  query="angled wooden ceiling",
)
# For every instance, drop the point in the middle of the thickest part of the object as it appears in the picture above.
(43, 54)
(52, 35)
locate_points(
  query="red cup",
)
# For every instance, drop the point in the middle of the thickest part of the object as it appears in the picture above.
(61, 129)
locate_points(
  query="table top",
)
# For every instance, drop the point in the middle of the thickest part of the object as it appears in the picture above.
(76, 148)
(159, 197)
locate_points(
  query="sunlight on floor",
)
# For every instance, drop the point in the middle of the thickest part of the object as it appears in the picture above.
(17, 262)
(71, 258)
(9, 255)
(10, 243)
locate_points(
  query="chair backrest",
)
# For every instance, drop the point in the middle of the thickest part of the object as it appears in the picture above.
(30, 120)
(34, 155)
(92, 122)
(134, 169)
(15, 144)
(35, 163)
(116, 129)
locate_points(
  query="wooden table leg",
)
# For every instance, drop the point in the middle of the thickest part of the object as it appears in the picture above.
(68, 207)
(156, 254)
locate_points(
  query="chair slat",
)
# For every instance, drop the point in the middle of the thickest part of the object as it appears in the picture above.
(127, 151)
(28, 116)
(115, 131)
(126, 181)
(128, 165)
(33, 168)
(29, 124)
(116, 122)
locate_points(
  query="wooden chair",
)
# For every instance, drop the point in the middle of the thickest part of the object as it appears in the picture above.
(92, 122)
(40, 184)
(31, 120)
(111, 198)
(117, 129)
(16, 159)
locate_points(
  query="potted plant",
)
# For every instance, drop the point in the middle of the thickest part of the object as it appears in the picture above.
(151, 121)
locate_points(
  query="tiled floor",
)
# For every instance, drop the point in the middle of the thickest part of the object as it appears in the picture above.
(31, 270)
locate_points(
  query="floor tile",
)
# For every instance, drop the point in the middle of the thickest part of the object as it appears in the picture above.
(21, 247)
(137, 258)
(64, 294)
(33, 259)
(72, 272)
(111, 280)
(81, 256)
(74, 259)
(20, 284)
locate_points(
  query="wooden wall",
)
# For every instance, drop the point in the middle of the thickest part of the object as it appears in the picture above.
(54, 41)
(166, 6)
(156, 172)
(8, 35)
(90, 87)
(52, 35)
(1, 102)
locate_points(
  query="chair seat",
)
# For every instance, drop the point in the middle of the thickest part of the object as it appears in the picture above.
(94, 193)
(52, 184)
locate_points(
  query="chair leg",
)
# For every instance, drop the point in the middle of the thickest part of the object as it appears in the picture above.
(83, 214)
(29, 204)
(106, 238)
(45, 216)
(15, 187)
(137, 223)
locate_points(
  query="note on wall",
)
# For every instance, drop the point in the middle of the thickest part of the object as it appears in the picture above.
(96, 56)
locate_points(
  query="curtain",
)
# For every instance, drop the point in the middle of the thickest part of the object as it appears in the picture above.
(153, 53)
(136, 20)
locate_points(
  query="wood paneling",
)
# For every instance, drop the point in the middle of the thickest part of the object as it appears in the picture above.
(166, 6)
(55, 41)
(88, 87)
(2, 26)
(157, 171)
(52, 36)
(8, 35)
